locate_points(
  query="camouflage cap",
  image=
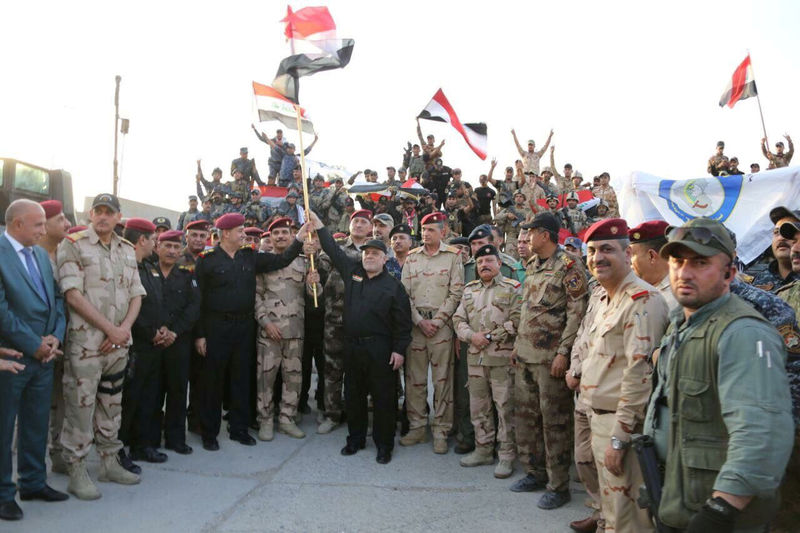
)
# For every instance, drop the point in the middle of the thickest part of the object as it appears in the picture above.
(384, 218)
(702, 235)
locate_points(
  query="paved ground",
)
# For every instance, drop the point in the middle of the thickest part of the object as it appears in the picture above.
(302, 485)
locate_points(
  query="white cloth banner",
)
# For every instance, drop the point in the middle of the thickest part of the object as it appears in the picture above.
(742, 202)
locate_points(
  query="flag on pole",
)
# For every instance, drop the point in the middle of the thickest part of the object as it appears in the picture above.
(311, 30)
(272, 105)
(741, 85)
(439, 109)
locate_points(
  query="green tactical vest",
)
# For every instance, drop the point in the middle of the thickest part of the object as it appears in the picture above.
(698, 436)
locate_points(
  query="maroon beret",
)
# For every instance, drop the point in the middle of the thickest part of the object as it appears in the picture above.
(140, 224)
(229, 221)
(606, 230)
(75, 229)
(264, 234)
(200, 225)
(51, 208)
(647, 231)
(282, 222)
(171, 235)
(252, 231)
(433, 218)
(363, 213)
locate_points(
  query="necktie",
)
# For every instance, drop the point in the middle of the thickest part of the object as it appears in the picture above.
(34, 272)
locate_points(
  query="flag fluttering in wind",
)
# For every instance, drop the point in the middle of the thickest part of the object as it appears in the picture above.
(315, 48)
(741, 85)
(272, 105)
(439, 109)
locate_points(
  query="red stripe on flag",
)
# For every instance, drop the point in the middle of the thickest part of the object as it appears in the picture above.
(307, 21)
(441, 99)
(260, 89)
(739, 81)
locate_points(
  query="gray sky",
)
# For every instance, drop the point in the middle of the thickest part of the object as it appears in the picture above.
(626, 85)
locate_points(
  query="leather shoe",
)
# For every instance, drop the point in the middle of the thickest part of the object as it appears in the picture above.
(148, 454)
(587, 525)
(384, 456)
(243, 438)
(181, 448)
(350, 449)
(10, 511)
(529, 483)
(464, 447)
(127, 463)
(46, 494)
(210, 444)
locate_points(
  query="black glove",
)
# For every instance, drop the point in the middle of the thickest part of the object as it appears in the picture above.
(717, 515)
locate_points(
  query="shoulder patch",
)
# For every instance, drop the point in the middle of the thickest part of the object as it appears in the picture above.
(76, 236)
(416, 250)
(567, 260)
(186, 268)
(514, 283)
(248, 247)
(451, 249)
(206, 252)
(639, 295)
(473, 282)
(747, 278)
(791, 338)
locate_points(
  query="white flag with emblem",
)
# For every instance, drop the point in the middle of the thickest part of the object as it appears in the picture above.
(741, 202)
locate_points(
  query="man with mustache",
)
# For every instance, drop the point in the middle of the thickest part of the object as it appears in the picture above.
(646, 240)
(779, 271)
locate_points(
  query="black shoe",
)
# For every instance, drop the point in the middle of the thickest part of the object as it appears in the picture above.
(226, 416)
(463, 447)
(384, 456)
(46, 494)
(350, 449)
(148, 454)
(181, 448)
(10, 511)
(210, 444)
(243, 437)
(127, 463)
(304, 408)
(529, 483)
(554, 500)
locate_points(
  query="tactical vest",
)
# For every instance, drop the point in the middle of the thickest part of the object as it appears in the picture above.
(698, 436)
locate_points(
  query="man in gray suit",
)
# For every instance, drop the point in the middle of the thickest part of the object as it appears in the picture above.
(33, 325)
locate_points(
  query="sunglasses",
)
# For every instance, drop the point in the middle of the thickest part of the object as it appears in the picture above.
(702, 236)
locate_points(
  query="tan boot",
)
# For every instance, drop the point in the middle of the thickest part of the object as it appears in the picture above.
(80, 484)
(326, 426)
(265, 431)
(478, 457)
(504, 469)
(59, 465)
(291, 429)
(440, 445)
(112, 471)
(415, 436)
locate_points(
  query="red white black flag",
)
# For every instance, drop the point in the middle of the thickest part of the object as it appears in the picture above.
(439, 109)
(741, 85)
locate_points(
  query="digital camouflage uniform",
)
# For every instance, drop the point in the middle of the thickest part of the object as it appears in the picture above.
(280, 300)
(434, 284)
(615, 384)
(241, 186)
(109, 279)
(554, 302)
(494, 308)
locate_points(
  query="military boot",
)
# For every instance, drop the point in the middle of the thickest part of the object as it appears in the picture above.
(440, 445)
(291, 429)
(415, 436)
(504, 469)
(477, 458)
(80, 484)
(112, 471)
(59, 465)
(326, 426)
(265, 431)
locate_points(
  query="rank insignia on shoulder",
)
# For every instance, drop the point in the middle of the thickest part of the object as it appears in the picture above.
(474, 282)
(187, 268)
(567, 260)
(356, 277)
(512, 282)
(640, 295)
(204, 253)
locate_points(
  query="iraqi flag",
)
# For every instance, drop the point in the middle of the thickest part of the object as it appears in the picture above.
(439, 109)
(741, 85)
(272, 105)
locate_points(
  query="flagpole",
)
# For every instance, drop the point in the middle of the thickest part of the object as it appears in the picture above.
(305, 190)
(758, 99)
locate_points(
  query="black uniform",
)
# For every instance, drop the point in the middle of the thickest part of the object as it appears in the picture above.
(182, 308)
(227, 288)
(313, 352)
(377, 322)
(139, 428)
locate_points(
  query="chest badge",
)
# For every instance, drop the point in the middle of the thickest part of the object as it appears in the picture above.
(357, 278)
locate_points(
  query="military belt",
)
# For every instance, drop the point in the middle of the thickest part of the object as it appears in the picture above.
(602, 411)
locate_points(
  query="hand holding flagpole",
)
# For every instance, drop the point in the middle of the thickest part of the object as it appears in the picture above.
(305, 191)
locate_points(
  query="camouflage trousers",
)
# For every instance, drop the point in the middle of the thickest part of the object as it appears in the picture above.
(789, 512)
(287, 356)
(437, 352)
(492, 385)
(333, 345)
(584, 458)
(57, 408)
(543, 424)
(618, 493)
(92, 401)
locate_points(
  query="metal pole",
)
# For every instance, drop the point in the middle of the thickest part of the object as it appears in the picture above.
(305, 189)
(758, 99)
(116, 133)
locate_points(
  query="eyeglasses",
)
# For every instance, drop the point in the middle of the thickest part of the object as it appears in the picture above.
(702, 236)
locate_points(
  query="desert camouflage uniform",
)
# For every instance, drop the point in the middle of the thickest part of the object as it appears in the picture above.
(716, 164)
(57, 399)
(319, 200)
(494, 308)
(108, 278)
(554, 302)
(608, 195)
(533, 193)
(778, 161)
(510, 226)
(434, 284)
(336, 209)
(615, 384)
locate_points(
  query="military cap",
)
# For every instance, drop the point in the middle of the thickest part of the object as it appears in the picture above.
(390, 168)
(546, 220)
(229, 221)
(192, 198)
(779, 143)
(108, 200)
(452, 194)
(551, 197)
(235, 170)
(547, 169)
(400, 228)
(648, 231)
(337, 179)
(51, 208)
(265, 234)
(253, 231)
(574, 242)
(531, 141)
(458, 241)
(236, 194)
(781, 212)
(362, 213)
(282, 222)
(374, 243)
(456, 171)
(318, 177)
(402, 170)
(243, 149)
(720, 144)
(573, 196)
(789, 229)
(702, 235)
(255, 191)
(519, 192)
(171, 235)
(367, 172)
(384, 218)
(487, 249)
(140, 224)
(606, 230)
(75, 229)
(480, 232)
(162, 222)
(292, 194)
(433, 218)
(201, 225)
(602, 202)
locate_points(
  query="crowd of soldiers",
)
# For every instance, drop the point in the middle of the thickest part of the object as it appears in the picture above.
(541, 354)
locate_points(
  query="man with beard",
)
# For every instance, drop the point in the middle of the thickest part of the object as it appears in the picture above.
(779, 270)
(401, 242)
(439, 177)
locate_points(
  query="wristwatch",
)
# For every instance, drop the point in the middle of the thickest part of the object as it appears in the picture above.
(618, 444)
(721, 506)
(489, 337)
(575, 374)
